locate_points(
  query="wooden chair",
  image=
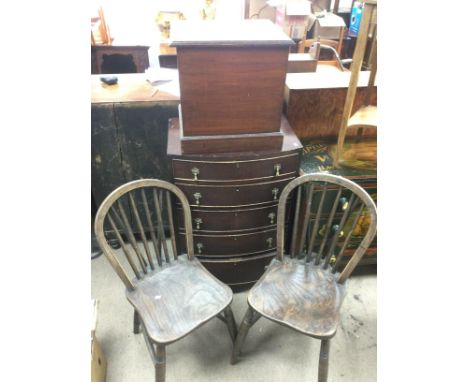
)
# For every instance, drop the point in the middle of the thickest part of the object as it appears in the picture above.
(305, 289)
(99, 29)
(171, 296)
(366, 115)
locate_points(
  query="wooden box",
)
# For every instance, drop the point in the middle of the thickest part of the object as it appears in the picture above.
(231, 76)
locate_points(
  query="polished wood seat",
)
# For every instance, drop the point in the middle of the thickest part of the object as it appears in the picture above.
(300, 295)
(172, 293)
(192, 298)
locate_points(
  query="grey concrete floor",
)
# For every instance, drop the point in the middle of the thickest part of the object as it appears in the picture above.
(271, 352)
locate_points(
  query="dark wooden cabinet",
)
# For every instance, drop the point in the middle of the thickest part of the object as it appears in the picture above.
(317, 158)
(117, 59)
(234, 199)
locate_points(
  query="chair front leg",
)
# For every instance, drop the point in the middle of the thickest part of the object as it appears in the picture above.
(323, 361)
(231, 323)
(136, 322)
(160, 363)
(249, 319)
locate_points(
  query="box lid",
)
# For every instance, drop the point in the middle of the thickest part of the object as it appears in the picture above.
(330, 20)
(238, 33)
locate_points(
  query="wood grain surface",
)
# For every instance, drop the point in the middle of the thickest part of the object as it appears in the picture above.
(231, 90)
(302, 296)
(177, 299)
(317, 113)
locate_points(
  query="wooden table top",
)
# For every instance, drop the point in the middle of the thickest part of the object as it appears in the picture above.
(132, 87)
(324, 78)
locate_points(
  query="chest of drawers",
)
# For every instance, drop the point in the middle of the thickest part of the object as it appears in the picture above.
(233, 198)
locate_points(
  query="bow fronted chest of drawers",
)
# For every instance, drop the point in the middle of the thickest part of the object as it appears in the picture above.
(234, 198)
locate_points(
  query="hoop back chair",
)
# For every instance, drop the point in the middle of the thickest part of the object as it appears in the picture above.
(305, 290)
(172, 293)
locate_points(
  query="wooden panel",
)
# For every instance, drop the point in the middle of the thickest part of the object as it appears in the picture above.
(106, 161)
(301, 63)
(231, 170)
(232, 219)
(233, 244)
(317, 113)
(231, 143)
(132, 88)
(290, 144)
(238, 270)
(235, 195)
(217, 220)
(143, 130)
(138, 55)
(231, 90)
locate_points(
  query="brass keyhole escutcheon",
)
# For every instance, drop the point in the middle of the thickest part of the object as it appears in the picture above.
(275, 192)
(199, 248)
(195, 173)
(197, 197)
(277, 168)
(198, 222)
(271, 216)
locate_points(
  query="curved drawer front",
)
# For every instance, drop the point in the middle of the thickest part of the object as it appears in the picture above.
(229, 219)
(234, 195)
(218, 171)
(233, 244)
(236, 271)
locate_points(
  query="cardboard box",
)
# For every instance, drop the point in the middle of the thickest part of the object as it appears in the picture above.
(329, 26)
(293, 17)
(98, 362)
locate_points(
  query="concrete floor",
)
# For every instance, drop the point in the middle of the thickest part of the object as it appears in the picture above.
(271, 352)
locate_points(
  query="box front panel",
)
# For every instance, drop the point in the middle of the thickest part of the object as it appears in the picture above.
(231, 90)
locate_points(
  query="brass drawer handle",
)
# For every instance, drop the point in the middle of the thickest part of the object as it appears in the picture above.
(198, 221)
(199, 248)
(270, 242)
(277, 168)
(197, 197)
(195, 173)
(275, 192)
(271, 216)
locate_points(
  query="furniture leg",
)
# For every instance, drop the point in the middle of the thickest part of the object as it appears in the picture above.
(323, 361)
(136, 323)
(160, 364)
(231, 323)
(247, 322)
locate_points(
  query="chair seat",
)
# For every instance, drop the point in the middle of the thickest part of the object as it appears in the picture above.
(177, 299)
(302, 296)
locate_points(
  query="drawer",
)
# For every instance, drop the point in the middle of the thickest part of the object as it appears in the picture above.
(243, 244)
(228, 219)
(238, 270)
(250, 194)
(218, 171)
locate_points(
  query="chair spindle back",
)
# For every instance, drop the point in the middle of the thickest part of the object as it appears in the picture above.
(143, 209)
(328, 211)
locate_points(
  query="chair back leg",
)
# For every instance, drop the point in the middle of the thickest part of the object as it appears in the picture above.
(160, 364)
(231, 323)
(136, 322)
(249, 319)
(323, 361)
